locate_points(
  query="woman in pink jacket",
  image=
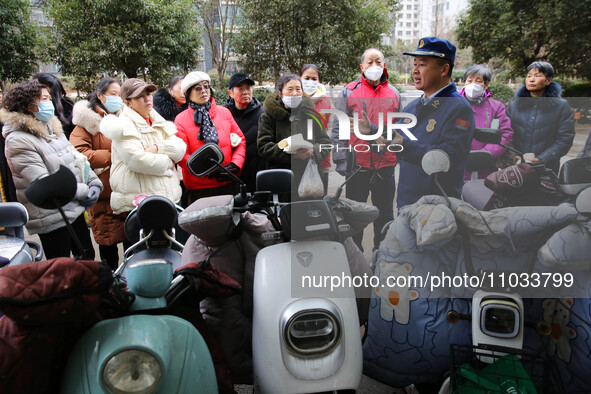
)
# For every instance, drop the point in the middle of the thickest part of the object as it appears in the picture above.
(488, 112)
(205, 121)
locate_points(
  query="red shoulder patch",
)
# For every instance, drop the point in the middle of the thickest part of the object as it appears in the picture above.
(462, 123)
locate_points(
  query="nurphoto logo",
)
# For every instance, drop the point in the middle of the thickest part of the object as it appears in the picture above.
(408, 121)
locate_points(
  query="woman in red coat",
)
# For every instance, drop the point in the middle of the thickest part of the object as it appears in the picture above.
(205, 121)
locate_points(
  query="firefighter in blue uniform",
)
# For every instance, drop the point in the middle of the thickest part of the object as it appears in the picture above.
(444, 121)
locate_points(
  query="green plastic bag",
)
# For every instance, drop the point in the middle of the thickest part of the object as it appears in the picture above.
(505, 375)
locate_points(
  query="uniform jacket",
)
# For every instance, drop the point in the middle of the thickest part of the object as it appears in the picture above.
(383, 99)
(166, 106)
(189, 131)
(248, 121)
(135, 171)
(32, 151)
(107, 228)
(278, 123)
(544, 126)
(446, 123)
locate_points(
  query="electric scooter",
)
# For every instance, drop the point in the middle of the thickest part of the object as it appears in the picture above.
(497, 361)
(143, 349)
(445, 239)
(551, 189)
(14, 250)
(304, 338)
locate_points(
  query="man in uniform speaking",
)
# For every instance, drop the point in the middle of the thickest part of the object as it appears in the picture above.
(444, 121)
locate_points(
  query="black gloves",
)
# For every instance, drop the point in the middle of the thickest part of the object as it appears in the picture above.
(223, 176)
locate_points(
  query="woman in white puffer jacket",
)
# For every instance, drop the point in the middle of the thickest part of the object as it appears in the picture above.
(144, 149)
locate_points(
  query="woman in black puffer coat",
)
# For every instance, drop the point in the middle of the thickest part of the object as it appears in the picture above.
(169, 102)
(542, 121)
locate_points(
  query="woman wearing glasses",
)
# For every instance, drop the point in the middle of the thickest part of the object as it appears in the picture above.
(205, 121)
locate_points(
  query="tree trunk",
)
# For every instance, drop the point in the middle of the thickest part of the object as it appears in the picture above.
(221, 73)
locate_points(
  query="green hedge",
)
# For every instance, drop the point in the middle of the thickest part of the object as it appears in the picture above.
(582, 89)
(501, 92)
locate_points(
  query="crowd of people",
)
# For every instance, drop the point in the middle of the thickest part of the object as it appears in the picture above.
(137, 143)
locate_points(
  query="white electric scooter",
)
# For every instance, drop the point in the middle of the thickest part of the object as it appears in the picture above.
(305, 335)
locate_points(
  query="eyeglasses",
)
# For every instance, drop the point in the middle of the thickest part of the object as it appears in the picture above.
(199, 88)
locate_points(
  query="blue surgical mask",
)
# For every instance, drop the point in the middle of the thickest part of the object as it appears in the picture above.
(46, 111)
(113, 103)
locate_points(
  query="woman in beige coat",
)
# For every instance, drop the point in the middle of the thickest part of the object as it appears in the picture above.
(107, 227)
(144, 149)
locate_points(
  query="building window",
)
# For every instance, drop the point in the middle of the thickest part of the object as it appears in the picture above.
(399, 32)
(447, 6)
(408, 32)
(409, 7)
(400, 24)
(408, 16)
(408, 24)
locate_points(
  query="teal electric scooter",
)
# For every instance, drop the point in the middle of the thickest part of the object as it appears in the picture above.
(146, 349)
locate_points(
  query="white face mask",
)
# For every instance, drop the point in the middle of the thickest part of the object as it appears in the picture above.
(291, 101)
(374, 73)
(309, 86)
(473, 91)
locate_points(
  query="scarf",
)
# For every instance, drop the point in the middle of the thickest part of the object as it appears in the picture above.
(207, 130)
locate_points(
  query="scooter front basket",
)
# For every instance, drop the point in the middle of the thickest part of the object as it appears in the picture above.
(511, 370)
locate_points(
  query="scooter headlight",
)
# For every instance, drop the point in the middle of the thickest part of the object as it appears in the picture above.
(312, 332)
(132, 371)
(500, 319)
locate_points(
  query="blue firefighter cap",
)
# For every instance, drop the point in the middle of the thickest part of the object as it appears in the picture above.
(436, 47)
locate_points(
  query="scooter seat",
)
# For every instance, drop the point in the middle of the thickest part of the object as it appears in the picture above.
(15, 250)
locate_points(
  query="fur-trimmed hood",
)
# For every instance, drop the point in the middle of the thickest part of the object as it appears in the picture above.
(166, 106)
(15, 121)
(274, 107)
(131, 123)
(552, 90)
(86, 117)
(551, 96)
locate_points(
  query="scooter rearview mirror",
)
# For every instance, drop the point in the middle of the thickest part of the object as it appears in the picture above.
(487, 136)
(203, 160)
(54, 190)
(275, 181)
(356, 168)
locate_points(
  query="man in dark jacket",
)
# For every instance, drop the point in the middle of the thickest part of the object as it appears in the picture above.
(445, 121)
(246, 110)
(373, 95)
